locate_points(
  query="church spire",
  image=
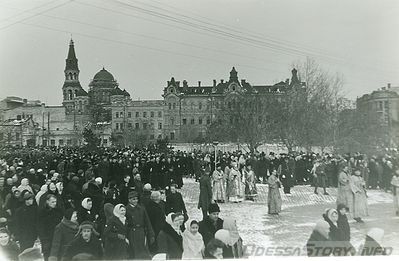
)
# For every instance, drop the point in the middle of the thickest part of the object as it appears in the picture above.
(233, 75)
(71, 61)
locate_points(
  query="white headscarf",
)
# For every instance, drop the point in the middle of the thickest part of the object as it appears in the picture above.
(231, 225)
(117, 213)
(224, 236)
(43, 190)
(192, 244)
(24, 186)
(85, 203)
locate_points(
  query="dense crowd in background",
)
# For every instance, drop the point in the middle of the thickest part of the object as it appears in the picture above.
(124, 203)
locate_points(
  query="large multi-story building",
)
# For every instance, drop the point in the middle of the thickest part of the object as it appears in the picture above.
(182, 115)
(382, 107)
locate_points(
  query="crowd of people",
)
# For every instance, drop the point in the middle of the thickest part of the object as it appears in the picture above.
(124, 203)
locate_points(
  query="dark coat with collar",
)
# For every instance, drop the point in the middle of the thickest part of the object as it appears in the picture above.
(116, 248)
(170, 242)
(208, 229)
(64, 233)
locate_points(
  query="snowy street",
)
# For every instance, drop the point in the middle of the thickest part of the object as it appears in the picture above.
(263, 233)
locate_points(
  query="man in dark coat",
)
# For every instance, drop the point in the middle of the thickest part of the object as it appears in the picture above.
(48, 218)
(175, 203)
(205, 196)
(140, 231)
(86, 242)
(26, 222)
(156, 213)
(212, 223)
(64, 233)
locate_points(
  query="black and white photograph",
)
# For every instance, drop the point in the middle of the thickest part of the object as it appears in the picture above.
(198, 129)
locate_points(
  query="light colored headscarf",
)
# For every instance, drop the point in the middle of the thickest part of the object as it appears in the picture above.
(24, 186)
(43, 190)
(85, 203)
(231, 225)
(223, 235)
(117, 213)
(192, 244)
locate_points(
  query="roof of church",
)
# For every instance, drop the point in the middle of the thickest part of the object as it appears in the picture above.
(82, 92)
(103, 75)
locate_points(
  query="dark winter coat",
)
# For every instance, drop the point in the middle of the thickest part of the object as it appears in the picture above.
(170, 242)
(79, 246)
(115, 248)
(64, 233)
(26, 223)
(48, 219)
(205, 196)
(86, 215)
(175, 203)
(316, 244)
(140, 231)
(156, 215)
(208, 229)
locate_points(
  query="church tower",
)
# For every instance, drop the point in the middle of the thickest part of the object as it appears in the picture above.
(71, 88)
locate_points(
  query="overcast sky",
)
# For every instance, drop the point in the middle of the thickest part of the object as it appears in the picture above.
(143, 43)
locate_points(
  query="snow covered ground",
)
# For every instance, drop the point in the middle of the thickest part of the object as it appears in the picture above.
(263, 233)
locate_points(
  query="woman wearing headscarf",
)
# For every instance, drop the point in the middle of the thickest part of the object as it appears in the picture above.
(51, 189)
(236, 241)
(25, 186)
(318, 240)
(170, 239)
(334, 235)
(373, 243)
(116, 235)
(43, 190)
(85, 212)
(193, 244)
(224, 236)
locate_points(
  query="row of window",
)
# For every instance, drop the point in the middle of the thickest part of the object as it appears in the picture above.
(381, 105)
(129, 114)
(192, 121)
(62, 142)
(145, 125)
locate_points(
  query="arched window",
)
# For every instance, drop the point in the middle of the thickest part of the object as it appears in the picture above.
(75, 76)
(76, 93)
(70, 76)
(80, 105)
(200, 105)
(70, 95)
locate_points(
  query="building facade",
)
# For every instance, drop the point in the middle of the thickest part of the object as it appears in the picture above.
(182, 115)
(382, 107)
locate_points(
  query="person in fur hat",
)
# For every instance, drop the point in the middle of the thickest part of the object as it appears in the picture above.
(193, 244)
(64, 233)
(86, 241)
(212, 223)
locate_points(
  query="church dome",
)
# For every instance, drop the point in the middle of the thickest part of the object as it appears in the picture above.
(103, 75)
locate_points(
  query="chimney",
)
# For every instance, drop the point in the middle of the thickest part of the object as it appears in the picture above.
(199, 83)
(242, 81)
(185, 83)
(389, 85)
(221, 81)
(214, 83)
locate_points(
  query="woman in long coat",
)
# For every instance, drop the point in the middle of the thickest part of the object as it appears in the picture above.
(358, 186)
(344, 193)
(274, 201)
(140, 234)
(218, 189)
(116, 235)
